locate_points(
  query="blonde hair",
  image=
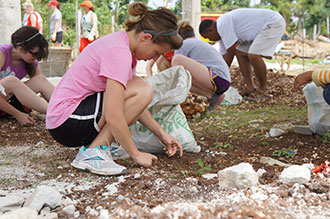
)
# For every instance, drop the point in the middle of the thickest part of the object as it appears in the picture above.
(161, 23)
(186, 30)
(28, 4)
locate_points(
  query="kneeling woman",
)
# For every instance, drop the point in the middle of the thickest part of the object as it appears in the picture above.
(209, 71)
(100, 96)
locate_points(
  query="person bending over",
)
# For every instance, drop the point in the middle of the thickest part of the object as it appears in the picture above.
(250, 34)
(210, 73)
(100, 95)
(319, 77)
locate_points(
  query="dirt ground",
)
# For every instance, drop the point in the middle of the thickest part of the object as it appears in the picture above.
(172, 188)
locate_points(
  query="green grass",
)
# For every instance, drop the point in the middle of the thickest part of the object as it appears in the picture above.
(5, 163)
(298, 61)
(237, 120)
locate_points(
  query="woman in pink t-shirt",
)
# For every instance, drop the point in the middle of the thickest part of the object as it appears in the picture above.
(17, 60)
(100, 96)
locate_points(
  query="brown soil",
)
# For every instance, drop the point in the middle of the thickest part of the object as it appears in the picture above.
(175, 179)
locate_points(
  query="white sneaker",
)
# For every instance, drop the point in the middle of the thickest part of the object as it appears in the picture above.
(117, 152)
(98, 161)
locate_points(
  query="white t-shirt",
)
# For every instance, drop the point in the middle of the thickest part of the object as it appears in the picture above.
(242, 25)
(56, 16)
(26, 15)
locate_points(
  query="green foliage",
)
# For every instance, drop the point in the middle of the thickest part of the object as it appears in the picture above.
(182, 171)
(264, 143)
(223, 145)
(202, 168)
(284, 152)
(326, 138)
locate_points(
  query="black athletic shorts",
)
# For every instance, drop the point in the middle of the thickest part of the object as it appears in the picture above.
(81, 128)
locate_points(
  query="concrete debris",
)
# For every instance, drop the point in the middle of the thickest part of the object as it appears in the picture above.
(271, 162)
(239, 176)
(295, 174)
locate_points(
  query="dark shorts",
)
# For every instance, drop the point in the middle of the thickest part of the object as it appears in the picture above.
(15, 103)
(220, 85)
(59, 37)
(326, 93)
(81, 127)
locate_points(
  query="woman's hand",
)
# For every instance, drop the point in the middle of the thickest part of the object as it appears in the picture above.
(145, 159)
(24, 119)
(171, 144)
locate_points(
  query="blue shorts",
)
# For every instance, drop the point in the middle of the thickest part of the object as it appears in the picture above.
(220, 85)
(326, 93)
(59, 37)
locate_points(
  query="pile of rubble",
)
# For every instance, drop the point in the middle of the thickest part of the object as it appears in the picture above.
(194, 105)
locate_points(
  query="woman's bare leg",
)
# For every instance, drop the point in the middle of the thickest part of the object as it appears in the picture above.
(24, 94)
(40, 84)
(199, 73)
(138, 95)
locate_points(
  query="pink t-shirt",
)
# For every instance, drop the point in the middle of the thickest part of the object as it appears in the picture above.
(107, 57)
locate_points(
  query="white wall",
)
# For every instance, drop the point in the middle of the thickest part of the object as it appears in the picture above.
(10, 19)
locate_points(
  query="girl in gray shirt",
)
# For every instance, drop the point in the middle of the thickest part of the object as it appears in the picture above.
(210, 73)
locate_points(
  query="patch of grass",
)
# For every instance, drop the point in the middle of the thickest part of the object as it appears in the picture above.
(298, 61)
(52, 175)
(5, 181)
(5, 163)
(223, 145)
(284, 152)
(238, 120)
(202, 168)
(326, 138)
(182, 171)
(264, 143)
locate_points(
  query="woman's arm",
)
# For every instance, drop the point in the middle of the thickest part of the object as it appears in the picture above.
(169, 141)
(149, 66)
(115, 119)
(22, 118)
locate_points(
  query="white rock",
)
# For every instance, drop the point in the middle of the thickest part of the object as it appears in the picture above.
(10, 202)
(43, 195)
(295, 174)
(209, 175)
(45, 211)
(137, 176)
(194, 189)
(112, 188)
(76, 214)
(261, 171)
(26, 213)
(3, 192)
(275, 132)
(310, 166)
(93, 212)
(239, 176)
(104, 214)
(51, 215)
(67, 201)
(69, 210)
